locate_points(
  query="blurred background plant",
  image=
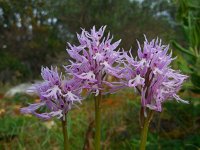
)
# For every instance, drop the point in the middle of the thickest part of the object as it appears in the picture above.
(188, 16)
(35, 32)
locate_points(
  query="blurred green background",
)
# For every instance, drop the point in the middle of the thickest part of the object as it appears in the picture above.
(33, 33)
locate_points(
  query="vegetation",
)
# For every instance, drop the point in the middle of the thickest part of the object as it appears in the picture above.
(120, 129)
(34, 33)
(189, 18)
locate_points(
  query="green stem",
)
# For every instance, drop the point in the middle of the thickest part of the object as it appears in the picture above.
(97, 122)
(145, 130)
(65, 134)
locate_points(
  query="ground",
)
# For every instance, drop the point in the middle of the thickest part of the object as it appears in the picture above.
(177, 127)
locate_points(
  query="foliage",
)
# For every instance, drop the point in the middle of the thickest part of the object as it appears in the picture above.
(120, 129)
(27, 36)
(12, 69)
(34, 33)
(188, 16)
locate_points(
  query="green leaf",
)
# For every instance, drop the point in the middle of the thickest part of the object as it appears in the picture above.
(195, 79)
(181, 49)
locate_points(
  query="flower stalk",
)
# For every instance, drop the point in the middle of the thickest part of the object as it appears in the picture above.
(65, 134)
(145, 128)
(98, 122)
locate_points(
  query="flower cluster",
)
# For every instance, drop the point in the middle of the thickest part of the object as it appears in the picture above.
(57, 93)
(92, 62)
(93, 59)
(151, 75)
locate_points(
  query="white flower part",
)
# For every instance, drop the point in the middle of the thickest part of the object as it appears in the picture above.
(89, 75)
(150, 106)
(98, 43)
(63, 117)
(31, 90)
(163, 91)
(107, 48)
(138, 80)
(160, 58)
(72, 97)
(179, 99)
(56, 113)
(142, 62)
(105, 63)
(106, 67)
(97, 92)
(32, 107)
(52, 92)
(145, 113)
(98, 56)
(169, 84)
(157, 71)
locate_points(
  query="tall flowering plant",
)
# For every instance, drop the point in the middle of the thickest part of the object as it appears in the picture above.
(92, 60)
(95, 58)
(58, 95)
(152, 76)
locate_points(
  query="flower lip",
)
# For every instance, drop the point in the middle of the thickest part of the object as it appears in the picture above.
(138, 80)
